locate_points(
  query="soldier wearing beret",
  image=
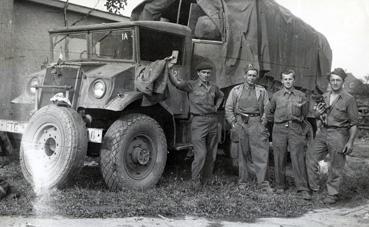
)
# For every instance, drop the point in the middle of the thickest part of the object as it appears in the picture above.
(288, 109)
(205, 99)
(335, 136)
(245, 111)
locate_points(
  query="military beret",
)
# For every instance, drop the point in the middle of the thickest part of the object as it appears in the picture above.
(339, 72)
(204, 65)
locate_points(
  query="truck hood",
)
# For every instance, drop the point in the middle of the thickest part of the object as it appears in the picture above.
(108, 70)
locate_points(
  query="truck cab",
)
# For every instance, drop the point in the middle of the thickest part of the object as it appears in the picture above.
(89, 102)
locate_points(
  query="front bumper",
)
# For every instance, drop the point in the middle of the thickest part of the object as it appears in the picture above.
(94, 134)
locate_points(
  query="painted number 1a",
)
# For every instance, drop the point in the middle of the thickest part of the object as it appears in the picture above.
(124, 36)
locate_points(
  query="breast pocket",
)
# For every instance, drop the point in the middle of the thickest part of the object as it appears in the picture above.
(198, 97)
(340, 112)
(296, 106)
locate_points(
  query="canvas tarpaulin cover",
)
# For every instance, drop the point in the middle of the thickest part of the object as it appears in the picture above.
(262, 33)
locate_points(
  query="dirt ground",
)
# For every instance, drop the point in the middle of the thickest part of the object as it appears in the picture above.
(172, 203)
(353, 217)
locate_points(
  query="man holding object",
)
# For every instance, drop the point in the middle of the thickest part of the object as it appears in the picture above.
(335, 137)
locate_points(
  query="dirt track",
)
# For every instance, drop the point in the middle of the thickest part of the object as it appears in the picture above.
(357, 216)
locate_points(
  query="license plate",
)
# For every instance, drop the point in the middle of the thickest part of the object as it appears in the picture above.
(95, 135)
(12, 126)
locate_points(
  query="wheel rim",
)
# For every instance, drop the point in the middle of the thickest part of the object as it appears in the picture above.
(44, 153)
(140, 156)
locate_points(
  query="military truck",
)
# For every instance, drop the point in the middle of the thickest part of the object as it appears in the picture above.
(88, 103)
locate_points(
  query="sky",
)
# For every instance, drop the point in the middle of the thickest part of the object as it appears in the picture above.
(345, 23)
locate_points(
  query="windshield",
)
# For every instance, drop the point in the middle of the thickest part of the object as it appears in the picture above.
(70, 46)
(113, 44)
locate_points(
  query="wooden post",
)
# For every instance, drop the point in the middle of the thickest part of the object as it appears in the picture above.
(7, 64)
(7, 58)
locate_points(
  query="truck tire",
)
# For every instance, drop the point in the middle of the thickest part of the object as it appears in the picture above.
(134, 153)
(53, 147)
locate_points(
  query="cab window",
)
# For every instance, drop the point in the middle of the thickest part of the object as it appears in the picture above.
(156, 45)
(113, 44)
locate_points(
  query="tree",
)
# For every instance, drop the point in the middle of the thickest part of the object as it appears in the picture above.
(115, 6)
(366, 79)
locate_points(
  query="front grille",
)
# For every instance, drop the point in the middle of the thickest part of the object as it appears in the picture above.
(63, 75)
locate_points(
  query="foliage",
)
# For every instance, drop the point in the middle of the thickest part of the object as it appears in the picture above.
(366, 79)
(115, 6)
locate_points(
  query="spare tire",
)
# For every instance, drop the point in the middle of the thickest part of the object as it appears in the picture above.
(53, 147)
(134, 153)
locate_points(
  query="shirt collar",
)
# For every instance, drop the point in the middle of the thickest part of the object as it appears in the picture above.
(291, 91)
(248, 86)
(327, 96)
(340, 94)
(200, 83)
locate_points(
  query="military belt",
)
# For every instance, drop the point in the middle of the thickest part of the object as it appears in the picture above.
(334, 127)
(288, 122)
(203, 115)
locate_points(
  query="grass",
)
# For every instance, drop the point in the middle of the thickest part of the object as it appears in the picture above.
(173, 196)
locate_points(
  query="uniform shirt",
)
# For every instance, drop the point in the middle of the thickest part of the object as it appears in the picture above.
(288, 105)
(231, 107)
(343, 112)
(204, 99)
(248, 102)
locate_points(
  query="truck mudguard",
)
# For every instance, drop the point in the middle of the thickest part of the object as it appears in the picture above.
(120, 102)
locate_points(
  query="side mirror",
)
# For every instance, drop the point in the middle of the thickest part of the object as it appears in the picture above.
(45, 63)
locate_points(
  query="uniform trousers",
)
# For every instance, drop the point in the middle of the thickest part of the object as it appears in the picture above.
(204, 139)
(328, 141)
(253, 149)
(289, 136)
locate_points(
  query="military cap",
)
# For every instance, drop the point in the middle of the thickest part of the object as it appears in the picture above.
(339, 72)
(204, 65)
(251, 67)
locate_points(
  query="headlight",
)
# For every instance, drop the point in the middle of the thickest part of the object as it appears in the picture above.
(31, 85)
(99, 89)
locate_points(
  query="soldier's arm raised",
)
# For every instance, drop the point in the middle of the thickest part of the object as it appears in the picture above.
(178, 82)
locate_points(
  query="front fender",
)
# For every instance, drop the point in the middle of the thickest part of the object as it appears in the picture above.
(120, 102)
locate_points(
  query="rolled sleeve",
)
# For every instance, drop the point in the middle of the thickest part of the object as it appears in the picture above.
(353, 112)
(179, 83)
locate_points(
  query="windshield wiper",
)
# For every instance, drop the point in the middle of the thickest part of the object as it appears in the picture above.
(65, 36)
(104, 36)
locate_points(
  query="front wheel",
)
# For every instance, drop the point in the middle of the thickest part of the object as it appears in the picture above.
(134, 153)
(53, 147)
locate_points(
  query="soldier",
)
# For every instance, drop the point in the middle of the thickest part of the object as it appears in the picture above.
(288, 108)
(244, 109)
(205, 99)
(335, 137)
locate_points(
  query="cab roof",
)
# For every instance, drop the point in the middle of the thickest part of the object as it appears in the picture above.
(156, 25)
